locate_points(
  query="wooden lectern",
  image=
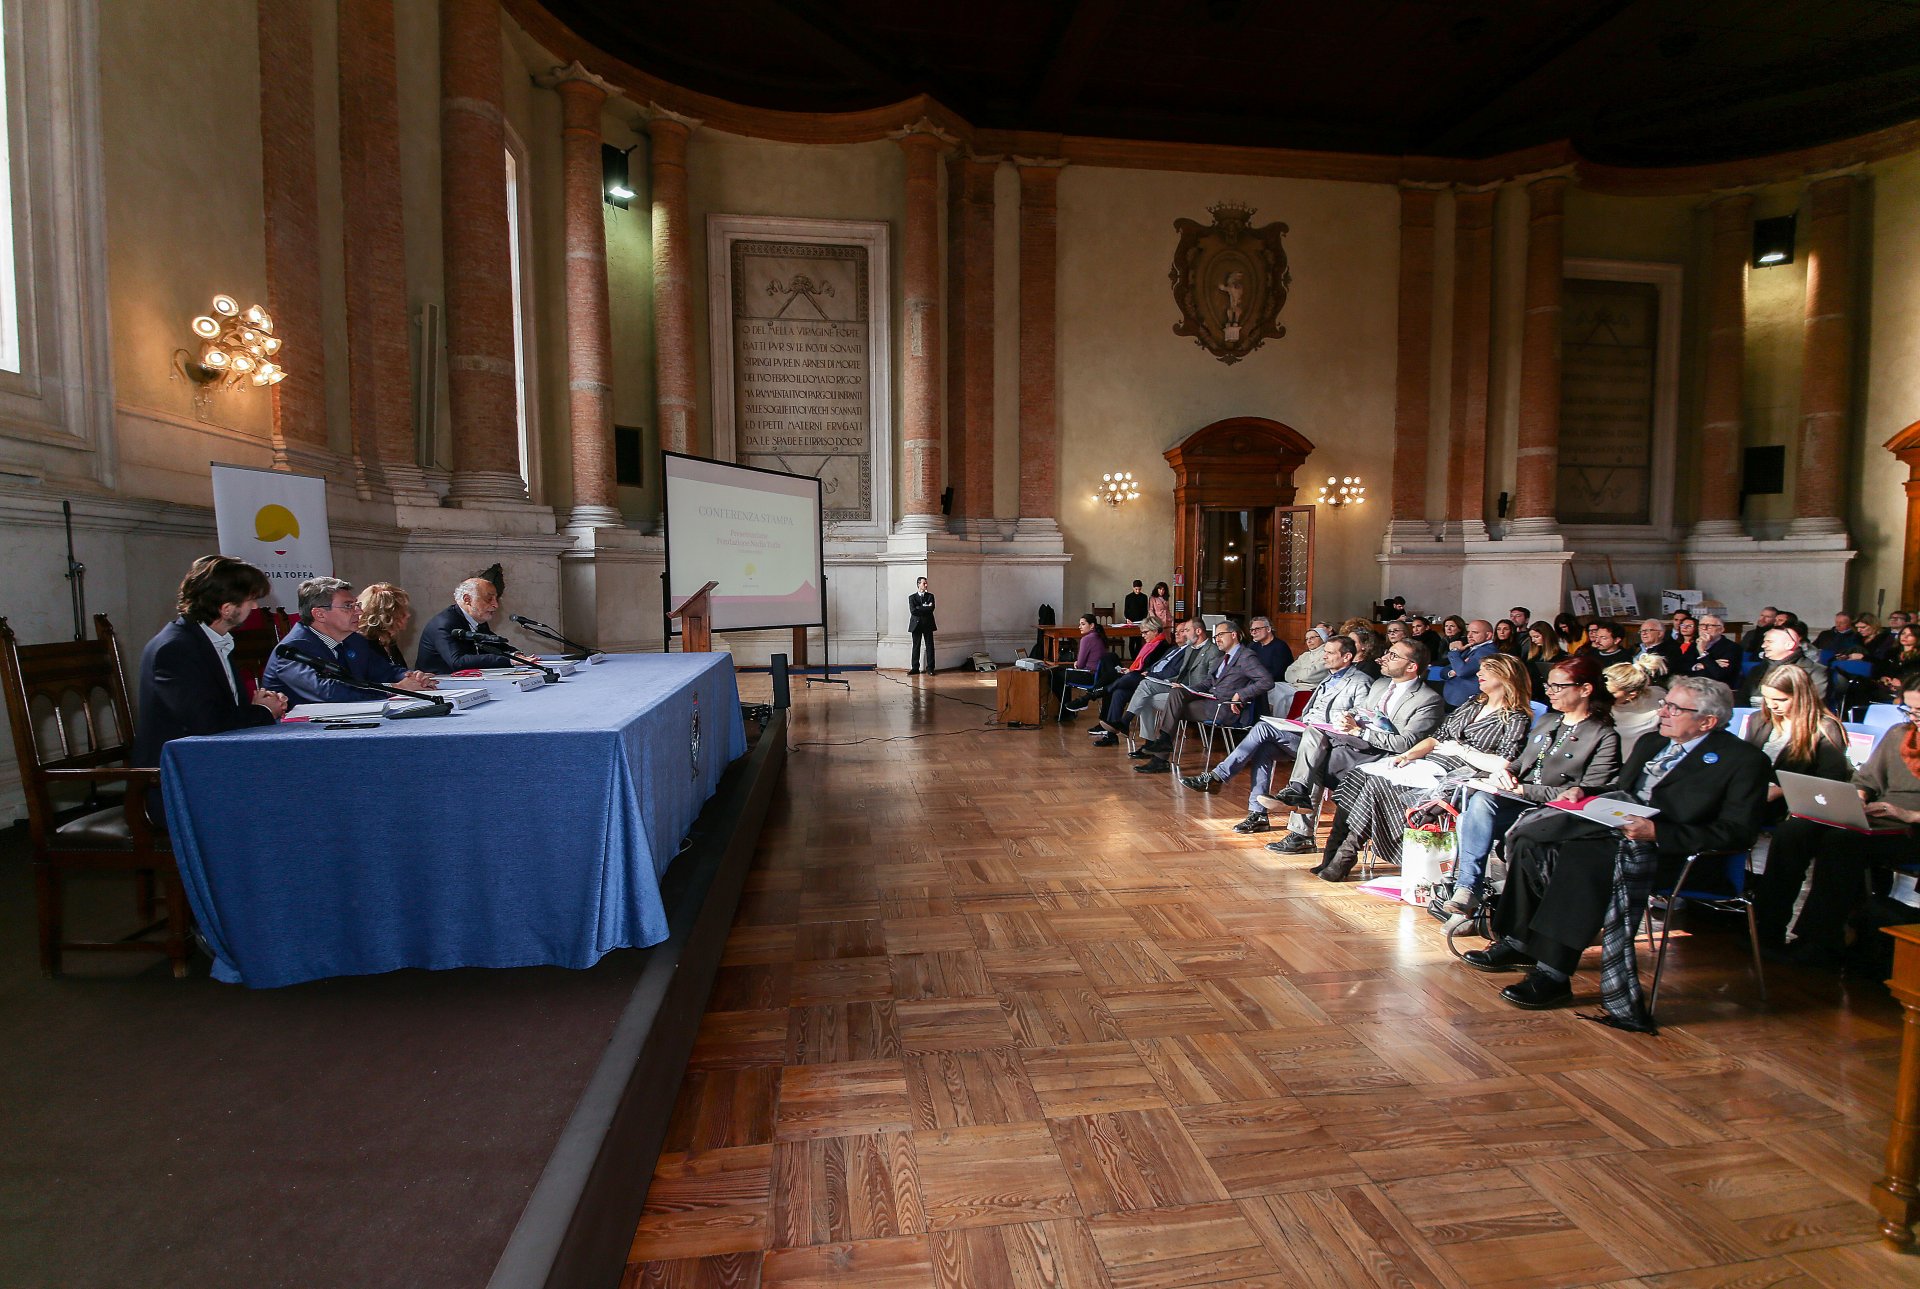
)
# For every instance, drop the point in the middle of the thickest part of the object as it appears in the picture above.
(696, 621)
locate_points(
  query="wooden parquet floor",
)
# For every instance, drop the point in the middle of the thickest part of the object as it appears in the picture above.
(997, 1011)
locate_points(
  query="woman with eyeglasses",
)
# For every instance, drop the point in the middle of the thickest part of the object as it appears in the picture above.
(1797, 734)
(1835, 865)
(1572, 752)
(1486, 732)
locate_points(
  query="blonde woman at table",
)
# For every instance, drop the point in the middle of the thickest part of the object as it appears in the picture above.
(386, 612)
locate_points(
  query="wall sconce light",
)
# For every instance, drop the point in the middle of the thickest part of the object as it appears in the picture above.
(1773, 241)
(1117, 487)
(613, 175)
(1342, 490)
(237, 347)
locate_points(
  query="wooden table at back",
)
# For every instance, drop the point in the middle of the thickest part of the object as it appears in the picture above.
(1062, 643)
(1896, 1196)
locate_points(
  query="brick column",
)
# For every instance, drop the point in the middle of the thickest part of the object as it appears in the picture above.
(589, 313)
(289, 178)
(379, 369)
(1039, 270)
(1537, 461)
(1729, 248)
(920, 354)
(970, 336)
(1413, 367)
(672, 283)
(1472, 345)
(1825, 373)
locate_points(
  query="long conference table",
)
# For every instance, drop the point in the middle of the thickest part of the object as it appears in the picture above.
(532, 829)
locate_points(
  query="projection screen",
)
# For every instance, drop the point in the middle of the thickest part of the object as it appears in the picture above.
(755, 532)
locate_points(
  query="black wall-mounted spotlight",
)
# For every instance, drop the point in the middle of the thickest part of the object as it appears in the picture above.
(1773, 241)
(613, 175)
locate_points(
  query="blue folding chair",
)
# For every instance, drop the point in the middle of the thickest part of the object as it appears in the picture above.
(1539, 710)
(1679, 894)
(1881, 717)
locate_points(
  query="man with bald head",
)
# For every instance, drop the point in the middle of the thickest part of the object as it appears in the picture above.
(1462, 663)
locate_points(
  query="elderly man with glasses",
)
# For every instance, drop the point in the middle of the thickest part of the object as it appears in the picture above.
(329, 631)
(1709, 791)
(1715, 656)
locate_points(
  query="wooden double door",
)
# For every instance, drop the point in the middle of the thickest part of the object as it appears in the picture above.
(1242, 547)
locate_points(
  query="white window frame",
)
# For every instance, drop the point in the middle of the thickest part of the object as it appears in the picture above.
(519, 168)
(56, 412)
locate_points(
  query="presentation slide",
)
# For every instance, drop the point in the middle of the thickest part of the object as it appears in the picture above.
(755, 532)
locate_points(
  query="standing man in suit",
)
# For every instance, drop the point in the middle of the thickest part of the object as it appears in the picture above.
(1710, 788)
(475, 601)
(920, 624)
(188, 684)
(1462, 680)
(329, 631)
(1137, 606)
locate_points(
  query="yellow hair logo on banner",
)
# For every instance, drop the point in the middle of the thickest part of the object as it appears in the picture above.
(273, 523)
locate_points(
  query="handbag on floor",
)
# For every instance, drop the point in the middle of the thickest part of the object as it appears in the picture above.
(1428, 847)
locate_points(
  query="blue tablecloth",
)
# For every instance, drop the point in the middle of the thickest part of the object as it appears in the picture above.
(531, 829)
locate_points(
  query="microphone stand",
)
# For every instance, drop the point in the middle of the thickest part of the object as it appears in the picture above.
(436, 705)
(479, 641)
(542, 629)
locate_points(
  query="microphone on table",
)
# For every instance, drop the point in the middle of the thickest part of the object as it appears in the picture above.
(435, 705)
(542, 629)
(494, 644)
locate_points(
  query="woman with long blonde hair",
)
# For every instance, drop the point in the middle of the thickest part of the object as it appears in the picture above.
(1796, 733)
(385, 613)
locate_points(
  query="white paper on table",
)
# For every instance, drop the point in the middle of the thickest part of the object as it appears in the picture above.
(340, 711)
(1414, 774)
(461, 697)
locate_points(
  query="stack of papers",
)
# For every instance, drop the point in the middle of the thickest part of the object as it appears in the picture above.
(1414, 774)
(1606, 810)
(341, 711)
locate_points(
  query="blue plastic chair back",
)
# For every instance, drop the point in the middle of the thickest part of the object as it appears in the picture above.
(1881, 717)
(1854, 667)
(1539, 710)
(1436, 673)
(1736, 875)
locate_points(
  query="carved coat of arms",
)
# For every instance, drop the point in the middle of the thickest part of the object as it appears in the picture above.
(1229, 281)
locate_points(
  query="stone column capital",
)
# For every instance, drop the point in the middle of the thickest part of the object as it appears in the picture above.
(922, 133)
(1039, 163)
(575, 78)
(664, 120)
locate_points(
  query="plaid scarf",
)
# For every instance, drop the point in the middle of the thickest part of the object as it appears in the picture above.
(1623, 1004)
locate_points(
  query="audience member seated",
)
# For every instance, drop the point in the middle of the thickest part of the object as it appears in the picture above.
(1419, 628)
(1154, 698)
(1685, 634)
(188, 684)
(1785, 647)
(385, 613)
(1902, 659)
(1676, 621)
(1396, 608)
(1155, 645)
(328, 631)
(1573, 638)
(1710, 789)
(1506, 638)
(1714, 656)
(1840, 638)
(1462, 663)
(1136, 606)
(1543, 652)
(1273, 652)
(1637, 695)
(1310, 667)
(475, 601)
(1605, 645)
(1485, 732)
(1836, 865)
(1655, 642)
(1573, 752)
(1520, 616)
(1229, 694)
(1757, 633)
(1453, 630)
(1796, 733)
(1366, 651)
(1344, 689)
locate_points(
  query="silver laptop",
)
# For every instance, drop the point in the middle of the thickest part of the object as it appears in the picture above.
(1830, 801)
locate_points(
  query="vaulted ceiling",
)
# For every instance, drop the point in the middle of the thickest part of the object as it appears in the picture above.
(1632, 82)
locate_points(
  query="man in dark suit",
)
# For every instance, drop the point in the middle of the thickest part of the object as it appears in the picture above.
(1710, 789)
(1237, 683)
(329, 632)
(1714, 655)
(1153, 699)
(188, 684)
(920, 624)
(1605, 646)
(475, 601)
(1462, 662)
(1655, 641)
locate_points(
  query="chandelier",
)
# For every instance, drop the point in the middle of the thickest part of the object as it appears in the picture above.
(1117, 487)
(237, 347)
(1342, 490)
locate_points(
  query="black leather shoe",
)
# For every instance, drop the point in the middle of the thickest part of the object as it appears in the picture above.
(1158, 746)
(1105, 740)
(1292, 844)
(914, 672)
(1538, 992)
(1141, 753)
(1498, 956)
(1201, 782)
(1255, 822)
(1155, 766)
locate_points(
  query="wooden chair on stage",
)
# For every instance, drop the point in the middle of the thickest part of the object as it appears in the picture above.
(73, 730)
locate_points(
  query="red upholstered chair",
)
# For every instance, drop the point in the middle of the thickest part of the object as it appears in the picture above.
(73, 734)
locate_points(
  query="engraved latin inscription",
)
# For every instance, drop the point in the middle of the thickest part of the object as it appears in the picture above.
(1608, 344)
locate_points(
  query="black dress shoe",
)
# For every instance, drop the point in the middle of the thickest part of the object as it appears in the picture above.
(1141, 753)
(1155, 766)
(1538, 992)
(1295, 796)
(1255, 822)
(1105, 740)
(1498, 956)
(1292, 844)
(1201, 782)
(914, 672)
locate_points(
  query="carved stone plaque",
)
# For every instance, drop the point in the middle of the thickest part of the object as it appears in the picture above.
(799, 338)
(1230, 281)
(1609, 343)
